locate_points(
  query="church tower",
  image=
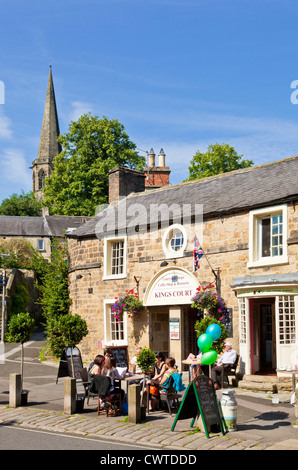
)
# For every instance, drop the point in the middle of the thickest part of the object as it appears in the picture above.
(49, 147)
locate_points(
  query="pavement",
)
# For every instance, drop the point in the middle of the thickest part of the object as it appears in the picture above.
(261, 425)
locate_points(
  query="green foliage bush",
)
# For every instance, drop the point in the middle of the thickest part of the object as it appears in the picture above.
(21, 299)
(146, 360)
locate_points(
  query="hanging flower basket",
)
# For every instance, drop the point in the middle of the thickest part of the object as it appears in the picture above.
(129, 302)
(208, 300)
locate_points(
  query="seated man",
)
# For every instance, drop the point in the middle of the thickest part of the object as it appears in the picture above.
(225, 361)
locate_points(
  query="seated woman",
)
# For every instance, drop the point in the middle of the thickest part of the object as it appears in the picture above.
(96, 366)
(159, 367)
(109, 369)
(170, 370)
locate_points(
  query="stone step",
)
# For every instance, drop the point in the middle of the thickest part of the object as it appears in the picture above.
(258, 386)
(265, 383)
(260, 378)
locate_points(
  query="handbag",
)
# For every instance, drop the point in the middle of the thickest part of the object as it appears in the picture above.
(154, 390)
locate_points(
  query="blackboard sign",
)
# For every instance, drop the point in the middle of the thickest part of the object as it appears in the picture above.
(65, 365)
(120, 353)
(228, 320)
(206, 394)
(200, 399)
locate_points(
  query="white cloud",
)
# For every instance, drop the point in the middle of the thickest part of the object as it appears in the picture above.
(5, 125)
(79, 108)
(15, 169)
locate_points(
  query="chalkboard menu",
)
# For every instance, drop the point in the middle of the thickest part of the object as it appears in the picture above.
(65, 365)
(206, 394)
(120, 353)
(200, 399)
(228, 320)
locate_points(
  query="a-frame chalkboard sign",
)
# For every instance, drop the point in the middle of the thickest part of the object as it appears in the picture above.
(200, 399)
(65, 366)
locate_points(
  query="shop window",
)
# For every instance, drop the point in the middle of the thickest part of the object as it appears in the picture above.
(174, 241)
(268, 237)
(115, 258)
(115, 331)
(286, 318)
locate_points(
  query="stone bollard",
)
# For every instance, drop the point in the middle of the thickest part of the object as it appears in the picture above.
(134, 403)
(70, 392)
(15, 390)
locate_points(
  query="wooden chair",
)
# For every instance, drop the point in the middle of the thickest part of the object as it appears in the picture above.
(170, 395)
(86, 384)
(231, 372)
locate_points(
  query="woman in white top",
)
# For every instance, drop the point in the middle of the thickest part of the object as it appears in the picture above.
(109, 369)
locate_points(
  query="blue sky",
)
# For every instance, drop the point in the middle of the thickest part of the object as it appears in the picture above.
(178, 74)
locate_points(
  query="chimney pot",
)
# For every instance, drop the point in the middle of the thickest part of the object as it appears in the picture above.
(151, 161)
(161, 158)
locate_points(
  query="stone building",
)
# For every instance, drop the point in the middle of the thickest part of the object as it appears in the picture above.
(39, 231)
(247, 224)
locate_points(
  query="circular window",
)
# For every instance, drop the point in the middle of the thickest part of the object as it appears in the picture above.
(174, 241)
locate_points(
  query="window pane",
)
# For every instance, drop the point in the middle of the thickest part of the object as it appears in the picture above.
(265, 237)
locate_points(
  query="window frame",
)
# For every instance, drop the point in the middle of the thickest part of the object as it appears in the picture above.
(108, 340)
(255, 216)
(39, 240)
(166, 241)
(108, 246)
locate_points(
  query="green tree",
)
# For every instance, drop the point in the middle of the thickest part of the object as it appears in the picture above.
(22, 255)
(72, 329)
(20, 329)
(91, 147)
(53, 283)
(21, 205)
(219, 158)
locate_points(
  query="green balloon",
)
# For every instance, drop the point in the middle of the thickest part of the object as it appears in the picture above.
(209, 357)
(205, 342)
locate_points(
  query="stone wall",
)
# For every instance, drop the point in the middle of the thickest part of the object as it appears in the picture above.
(226, 245)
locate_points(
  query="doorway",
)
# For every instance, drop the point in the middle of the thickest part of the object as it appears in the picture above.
(264, 337)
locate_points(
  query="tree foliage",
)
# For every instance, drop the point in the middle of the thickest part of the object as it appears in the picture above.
(22, 255)
(21, 205)
(91, 147)
(53, 284)
(219, 158)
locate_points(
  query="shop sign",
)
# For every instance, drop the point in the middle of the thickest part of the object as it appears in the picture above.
(172, 288)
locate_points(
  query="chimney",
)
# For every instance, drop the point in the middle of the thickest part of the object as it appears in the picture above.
(151, 159)
(161, 158)
(124, 181)
(157, 176)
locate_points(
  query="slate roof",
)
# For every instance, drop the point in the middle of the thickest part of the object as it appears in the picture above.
(51, 225)
(235, 191)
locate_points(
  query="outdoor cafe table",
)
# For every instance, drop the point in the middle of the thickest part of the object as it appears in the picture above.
(293, 372)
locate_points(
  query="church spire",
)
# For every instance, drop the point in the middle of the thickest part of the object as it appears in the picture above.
(49, 147)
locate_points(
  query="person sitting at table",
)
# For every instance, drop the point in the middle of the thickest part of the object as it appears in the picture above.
(170, 370)
(225, 361)
(96, 366)
(135, 368)
(159, 366)
(107, 353)
(110, 370)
